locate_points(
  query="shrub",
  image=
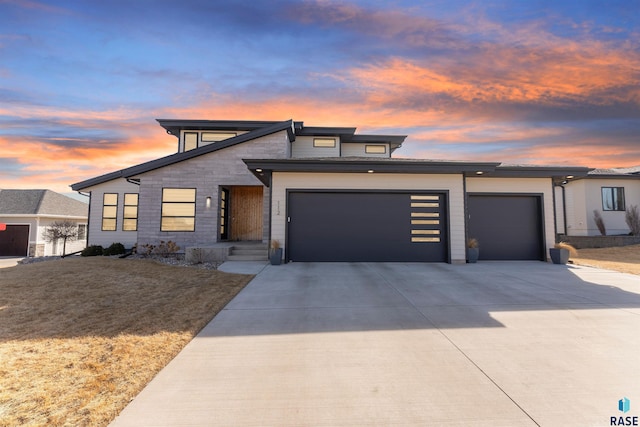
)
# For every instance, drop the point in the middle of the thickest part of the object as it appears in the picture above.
(632, 218)
(114, 249)
(164, 249)
(93, 250)
(599, 222)
(564, 245)
(472, 243)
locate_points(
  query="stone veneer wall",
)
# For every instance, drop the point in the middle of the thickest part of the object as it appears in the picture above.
(206, 174)
(584, 242)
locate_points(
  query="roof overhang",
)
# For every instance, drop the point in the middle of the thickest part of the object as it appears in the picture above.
(186, 155)
(263, 168)
(174, 126)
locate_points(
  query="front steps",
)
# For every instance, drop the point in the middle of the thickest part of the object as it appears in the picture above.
(249, 252)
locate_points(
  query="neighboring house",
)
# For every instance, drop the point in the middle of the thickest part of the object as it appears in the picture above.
(608, 191)
(326, 194)
(27, 213)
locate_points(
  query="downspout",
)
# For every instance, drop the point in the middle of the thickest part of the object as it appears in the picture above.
(466, 215)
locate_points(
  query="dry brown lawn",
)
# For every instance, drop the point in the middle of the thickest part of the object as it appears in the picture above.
(79, 338)
(623, 258)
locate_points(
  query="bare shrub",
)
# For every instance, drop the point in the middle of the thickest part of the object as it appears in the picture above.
(632, 218)
(65, 230)
(599, 222)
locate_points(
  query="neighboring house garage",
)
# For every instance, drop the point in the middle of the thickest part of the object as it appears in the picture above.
(509, 226)
(357, 226)
(14, 240)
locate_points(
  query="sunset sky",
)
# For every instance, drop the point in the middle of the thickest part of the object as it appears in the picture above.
(536, 82)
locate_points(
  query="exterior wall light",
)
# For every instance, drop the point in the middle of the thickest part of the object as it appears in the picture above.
(259, 170)
(479, 173)
(569, 176)
(208, 202)
(370, 171)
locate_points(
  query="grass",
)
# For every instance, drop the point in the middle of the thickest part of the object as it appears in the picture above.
(79, 338)
(623, 258)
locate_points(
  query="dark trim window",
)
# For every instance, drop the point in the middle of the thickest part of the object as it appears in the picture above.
(109, 211)
(613, 199)
(130, 214)
(375, 149)
(190, 140)
(178, 209)
(217, 136)
(324, 142)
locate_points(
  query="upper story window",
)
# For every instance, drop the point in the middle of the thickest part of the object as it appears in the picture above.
(109, 211)
(613, 199)
(324, 142)
(190, 140)
(217, 136)
(178, 209)
(130, 215)
(195, 139)
(375, 149)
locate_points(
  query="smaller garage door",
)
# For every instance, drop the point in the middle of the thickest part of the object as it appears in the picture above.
(14, 241)
(508, 227)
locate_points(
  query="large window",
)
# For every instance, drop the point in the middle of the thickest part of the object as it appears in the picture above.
(613, 198)
(130, 215)
(109, 211)
(178, 209)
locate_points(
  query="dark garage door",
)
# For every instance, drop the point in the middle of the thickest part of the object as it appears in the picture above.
(367, 226)
(508, 227)
(14, 241)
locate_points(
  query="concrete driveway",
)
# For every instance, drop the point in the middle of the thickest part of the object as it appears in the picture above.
(6, 262)
(487, 344)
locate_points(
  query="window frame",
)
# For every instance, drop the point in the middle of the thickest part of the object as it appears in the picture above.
(124, 211)
(184, 141)
(81, 235)
(617, 198)
(317, 142)
(163, 215)
(228, 135)
(115, 209)
(368, 147)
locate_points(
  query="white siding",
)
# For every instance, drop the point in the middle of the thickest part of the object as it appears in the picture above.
(106, 238)
(364, 181)
(56, 248)
(542, 186)
(559, 210)
(576, 204)
(303, 147)
(614, 221)
(351, 149)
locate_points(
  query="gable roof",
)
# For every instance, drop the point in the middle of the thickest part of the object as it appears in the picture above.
(272, 127)
(40, 202)
(630, 172)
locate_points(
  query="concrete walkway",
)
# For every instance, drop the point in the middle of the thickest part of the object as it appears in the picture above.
(6, 262)
(487, 344)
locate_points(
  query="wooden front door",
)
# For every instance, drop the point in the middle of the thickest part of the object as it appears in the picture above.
(246, 213)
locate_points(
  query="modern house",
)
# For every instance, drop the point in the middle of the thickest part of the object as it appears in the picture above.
(608, 191)
(326, 194)
(26, 214)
